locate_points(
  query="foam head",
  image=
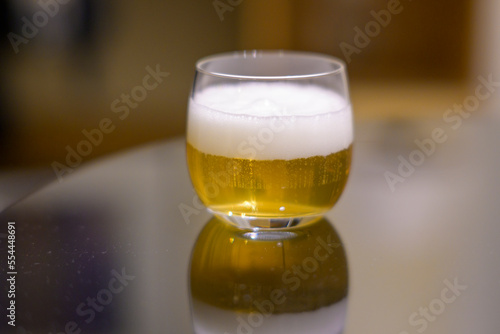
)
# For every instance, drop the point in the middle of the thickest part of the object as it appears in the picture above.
(269, 120)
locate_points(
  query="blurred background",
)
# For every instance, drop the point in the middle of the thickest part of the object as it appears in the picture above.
(62, 70)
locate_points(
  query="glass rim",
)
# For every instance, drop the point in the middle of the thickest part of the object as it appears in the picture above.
(340, 65)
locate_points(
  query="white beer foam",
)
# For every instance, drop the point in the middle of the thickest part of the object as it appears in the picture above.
(267, 121)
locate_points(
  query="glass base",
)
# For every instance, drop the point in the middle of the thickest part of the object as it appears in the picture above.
(265, 223)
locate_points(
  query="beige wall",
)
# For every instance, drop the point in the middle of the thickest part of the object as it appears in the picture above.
(56, 94)
(486, 54)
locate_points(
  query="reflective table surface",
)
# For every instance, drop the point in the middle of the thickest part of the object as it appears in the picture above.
(107, 249)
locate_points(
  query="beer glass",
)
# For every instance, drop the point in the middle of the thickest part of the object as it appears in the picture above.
(269, 136)
(269, 139)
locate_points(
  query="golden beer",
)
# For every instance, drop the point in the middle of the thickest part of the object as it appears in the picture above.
(269, 154)
(269, 188)
(293, 281)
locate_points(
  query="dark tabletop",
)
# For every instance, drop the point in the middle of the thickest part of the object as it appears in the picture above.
(107, 249)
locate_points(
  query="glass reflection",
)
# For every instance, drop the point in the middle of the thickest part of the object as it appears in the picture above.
(268, 281)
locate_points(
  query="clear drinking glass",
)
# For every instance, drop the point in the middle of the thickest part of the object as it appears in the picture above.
(269, 136)
(269, 144)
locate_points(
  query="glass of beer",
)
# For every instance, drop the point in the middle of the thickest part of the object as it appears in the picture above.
(269, 136)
